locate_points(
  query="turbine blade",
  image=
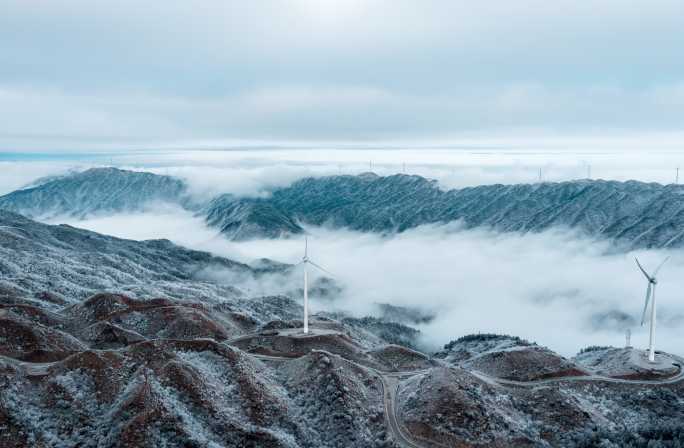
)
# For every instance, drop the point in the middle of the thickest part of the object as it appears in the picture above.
(648, 298)
(642, 269)
(321, 268)
(660, 266)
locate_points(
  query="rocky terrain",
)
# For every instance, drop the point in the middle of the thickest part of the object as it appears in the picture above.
(632, 214)
(113, 371)
(507, 357)
(107, 342)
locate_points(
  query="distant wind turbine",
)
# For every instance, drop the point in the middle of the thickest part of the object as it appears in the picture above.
(650, 295)
(305, 262)
(628, 338)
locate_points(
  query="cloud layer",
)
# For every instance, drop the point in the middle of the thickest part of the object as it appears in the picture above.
(556, 288)
(256, 172)
(126, 75)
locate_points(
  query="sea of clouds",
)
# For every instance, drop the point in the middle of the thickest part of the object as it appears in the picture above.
(557, 288)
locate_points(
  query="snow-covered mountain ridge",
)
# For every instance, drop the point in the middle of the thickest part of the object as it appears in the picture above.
(631, 214)
(97, 191)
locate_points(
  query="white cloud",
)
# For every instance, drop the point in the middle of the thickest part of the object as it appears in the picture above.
(294, 99)
(530, 286)
(54, 120)
(551, 287)
(255, 172)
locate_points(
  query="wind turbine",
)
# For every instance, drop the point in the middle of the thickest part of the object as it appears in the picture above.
(305, 262)
(628, 338)
(650, 295)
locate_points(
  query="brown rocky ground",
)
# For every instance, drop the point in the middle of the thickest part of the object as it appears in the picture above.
(113, 371)
(509, 358)
(455, 408)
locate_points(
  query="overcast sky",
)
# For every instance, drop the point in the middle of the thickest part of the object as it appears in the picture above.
(86, 74)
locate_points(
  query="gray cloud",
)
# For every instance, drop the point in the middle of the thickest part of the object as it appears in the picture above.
(79, 75)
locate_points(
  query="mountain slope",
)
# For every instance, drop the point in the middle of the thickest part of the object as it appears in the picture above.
(635, 213)
(71, 263)
(242, 219)
(95, 191)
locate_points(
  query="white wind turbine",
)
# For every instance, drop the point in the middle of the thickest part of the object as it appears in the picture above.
(305, 262)
(650, 295)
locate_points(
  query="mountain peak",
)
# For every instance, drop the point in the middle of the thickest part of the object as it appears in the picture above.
(96, 191)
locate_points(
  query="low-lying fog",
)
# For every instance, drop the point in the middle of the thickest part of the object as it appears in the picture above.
(251, 172)
(556, 288)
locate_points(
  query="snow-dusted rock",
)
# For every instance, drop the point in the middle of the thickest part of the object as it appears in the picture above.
(96, 191)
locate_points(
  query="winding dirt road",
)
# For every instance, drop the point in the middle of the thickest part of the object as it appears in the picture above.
(391, 380)
(390, 384)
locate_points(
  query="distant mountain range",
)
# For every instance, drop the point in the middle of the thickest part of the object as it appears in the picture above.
(96, 191)
(632, 214)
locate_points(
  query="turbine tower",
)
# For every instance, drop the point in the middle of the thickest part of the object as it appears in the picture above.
(305, 262)
(650, 295)
(628, 338)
